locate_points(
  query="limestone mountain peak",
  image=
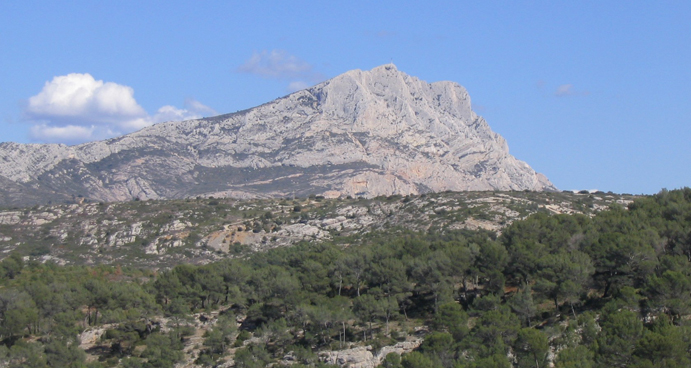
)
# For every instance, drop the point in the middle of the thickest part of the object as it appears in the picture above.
(365, 133)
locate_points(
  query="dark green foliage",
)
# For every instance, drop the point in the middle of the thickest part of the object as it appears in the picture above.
(494, 332)
(585, 282)
(663, 345)
(670, 292)
(564, 276)
(62, 353)
(621, 331)
(589, 328)
(523, 305)
(417, 360)
(254, 356)
(217, 340)
(11, 266)
(24, 354)
(439, 346)
(531, 348)
(451, 317)
(162, 351)
(576, 357)
(392, 360)
(493, 361)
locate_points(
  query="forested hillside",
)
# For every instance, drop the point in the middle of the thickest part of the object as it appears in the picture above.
(608, 290)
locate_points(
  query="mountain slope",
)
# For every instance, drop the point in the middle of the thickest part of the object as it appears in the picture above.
(364, 133)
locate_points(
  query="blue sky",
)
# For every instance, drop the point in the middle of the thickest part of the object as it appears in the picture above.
(595, 95)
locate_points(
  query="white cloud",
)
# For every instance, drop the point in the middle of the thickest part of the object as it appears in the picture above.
(82, 98)
(564, 90)
(199, 108)
(194, 110)
(567, 90)
(77, 108)
(297, 85)
(279, 64)
(62, 134)
(275, 64)
(172, 113)
(133, 125)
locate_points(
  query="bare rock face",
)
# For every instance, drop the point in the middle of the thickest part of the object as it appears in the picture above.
(363, 133)
(363, 357)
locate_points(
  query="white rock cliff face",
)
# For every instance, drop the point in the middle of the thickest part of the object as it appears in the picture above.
(368, 133)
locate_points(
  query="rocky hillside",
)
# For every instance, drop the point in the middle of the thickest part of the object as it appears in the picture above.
(163, 233)
(363, 133)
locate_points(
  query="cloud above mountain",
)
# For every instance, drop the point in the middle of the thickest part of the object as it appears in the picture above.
(280, 65)
(76, 108)
(81, 97)
(566, 90)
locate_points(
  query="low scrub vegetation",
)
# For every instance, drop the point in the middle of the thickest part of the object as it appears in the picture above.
(611, 290)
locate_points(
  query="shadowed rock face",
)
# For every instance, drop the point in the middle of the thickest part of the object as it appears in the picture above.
(368, 133)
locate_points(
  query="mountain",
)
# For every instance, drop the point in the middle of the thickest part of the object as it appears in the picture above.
(363, 133)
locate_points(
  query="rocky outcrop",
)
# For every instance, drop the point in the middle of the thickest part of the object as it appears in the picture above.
(363, 133)
(364, 357)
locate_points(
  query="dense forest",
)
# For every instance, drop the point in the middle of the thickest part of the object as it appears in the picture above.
(611, 290)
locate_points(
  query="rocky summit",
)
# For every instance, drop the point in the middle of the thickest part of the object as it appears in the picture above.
(362, 133)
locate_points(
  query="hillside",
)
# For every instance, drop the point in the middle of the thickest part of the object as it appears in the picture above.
(609, 288)
(157, 233)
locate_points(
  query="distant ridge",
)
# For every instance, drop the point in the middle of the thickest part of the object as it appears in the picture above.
(362, 133)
